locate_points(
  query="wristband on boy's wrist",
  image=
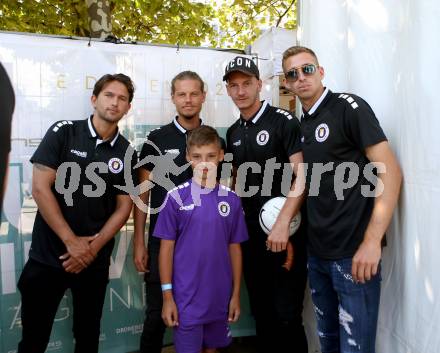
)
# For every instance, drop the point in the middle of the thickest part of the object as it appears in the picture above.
(166, 286)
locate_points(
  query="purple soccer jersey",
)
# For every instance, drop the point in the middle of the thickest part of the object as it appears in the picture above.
(203, 222)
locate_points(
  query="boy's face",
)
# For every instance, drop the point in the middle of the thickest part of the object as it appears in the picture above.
(204, 160)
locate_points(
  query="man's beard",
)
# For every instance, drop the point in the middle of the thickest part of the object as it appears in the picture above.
(188, 117)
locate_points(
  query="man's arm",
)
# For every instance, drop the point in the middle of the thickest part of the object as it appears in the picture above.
(236, 263)
(140, 253)
(78, 248)
(169, 310)
(115, 222)
(367, 257)
(279, 236)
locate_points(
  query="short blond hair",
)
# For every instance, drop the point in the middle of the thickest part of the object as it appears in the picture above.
(297, 49)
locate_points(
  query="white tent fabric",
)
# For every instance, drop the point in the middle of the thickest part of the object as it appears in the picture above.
(388, 53)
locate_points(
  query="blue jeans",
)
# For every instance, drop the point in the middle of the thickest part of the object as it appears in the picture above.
(346, 311)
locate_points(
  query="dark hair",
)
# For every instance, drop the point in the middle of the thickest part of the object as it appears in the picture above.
(202, 136)
(297, 49)
(124, 79)
(187, 75)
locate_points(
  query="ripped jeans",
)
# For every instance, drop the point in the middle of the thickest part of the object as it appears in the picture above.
(346, 311)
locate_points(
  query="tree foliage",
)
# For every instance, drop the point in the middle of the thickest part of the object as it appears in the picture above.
(221, 23)
(242, 21)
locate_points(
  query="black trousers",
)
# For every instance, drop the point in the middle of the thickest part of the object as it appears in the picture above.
(276, 295)
(154, 327)
(42, 287)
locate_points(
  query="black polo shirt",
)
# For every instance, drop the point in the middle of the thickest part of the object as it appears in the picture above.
(7, 103)
(272, 133)
(78, 142)
(337, 129)
(168, 143)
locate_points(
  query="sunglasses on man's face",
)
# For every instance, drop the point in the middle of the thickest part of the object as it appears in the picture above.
(307, 70)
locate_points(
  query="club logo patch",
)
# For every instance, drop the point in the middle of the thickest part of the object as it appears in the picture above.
(115, 165)
(262, 137)
(224, 208)
(322, 132)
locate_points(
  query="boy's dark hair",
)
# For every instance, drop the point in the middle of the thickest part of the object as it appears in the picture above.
(124, 79)
(202, 136)
(187, 75)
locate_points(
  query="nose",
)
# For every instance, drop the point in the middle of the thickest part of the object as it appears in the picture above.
(241, 90)
(301, 75)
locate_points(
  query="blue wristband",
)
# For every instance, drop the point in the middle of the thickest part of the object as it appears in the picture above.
(166, 286)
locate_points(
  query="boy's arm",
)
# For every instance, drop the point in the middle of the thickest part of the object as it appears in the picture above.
(236, 263)
(169, 308)
(140, 253)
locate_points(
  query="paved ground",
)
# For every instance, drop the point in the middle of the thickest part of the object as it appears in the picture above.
(239, 345)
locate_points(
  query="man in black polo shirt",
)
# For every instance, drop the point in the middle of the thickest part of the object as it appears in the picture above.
(7, 103)
(266, 136)
(348, 212)
(166, 167)
(77, 169)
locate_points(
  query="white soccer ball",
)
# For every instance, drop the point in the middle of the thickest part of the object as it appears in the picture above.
(270, 211)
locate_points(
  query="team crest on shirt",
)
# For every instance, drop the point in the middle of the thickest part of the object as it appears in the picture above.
(262, 137)
(115, 165)
(224, 208)
(322, 132)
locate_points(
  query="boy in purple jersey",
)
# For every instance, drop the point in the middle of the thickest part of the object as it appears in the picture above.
(201, 228)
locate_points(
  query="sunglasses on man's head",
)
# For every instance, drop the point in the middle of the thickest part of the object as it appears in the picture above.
(307, 70)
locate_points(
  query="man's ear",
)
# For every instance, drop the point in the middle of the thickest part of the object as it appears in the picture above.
(260, 85)
(321, 72)
(93, 100)
(227, 89)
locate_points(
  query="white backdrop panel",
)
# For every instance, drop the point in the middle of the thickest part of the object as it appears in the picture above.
(387, 52)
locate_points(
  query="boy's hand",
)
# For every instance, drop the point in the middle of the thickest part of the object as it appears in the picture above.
(169, 313)
(234, 309)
